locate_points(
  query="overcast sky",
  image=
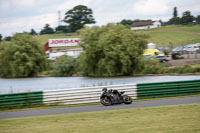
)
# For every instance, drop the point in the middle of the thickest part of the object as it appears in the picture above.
(23, 15)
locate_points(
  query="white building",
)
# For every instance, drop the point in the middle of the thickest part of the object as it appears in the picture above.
(145, 25)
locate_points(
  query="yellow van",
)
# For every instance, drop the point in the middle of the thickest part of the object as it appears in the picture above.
(153, 52)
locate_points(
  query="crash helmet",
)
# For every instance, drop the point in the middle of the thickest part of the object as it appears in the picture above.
(104, 89)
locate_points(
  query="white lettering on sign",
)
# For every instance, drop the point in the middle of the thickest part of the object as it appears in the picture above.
(63, 42)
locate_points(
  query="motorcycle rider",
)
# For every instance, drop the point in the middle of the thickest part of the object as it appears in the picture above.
(115, 92)
(113, 96)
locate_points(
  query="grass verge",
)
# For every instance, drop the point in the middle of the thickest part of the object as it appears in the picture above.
(43, 106)
(173, 119)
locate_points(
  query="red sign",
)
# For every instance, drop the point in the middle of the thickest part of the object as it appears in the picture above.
(63, 42)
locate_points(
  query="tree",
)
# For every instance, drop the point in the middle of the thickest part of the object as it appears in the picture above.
(8, 38)
(175, 13)
(63, 28)
(175, 19)
(111, 50)
(63, 66)
(198, 19)
(33, 32)
(126, 22)
(187, 18)
(162, 24)
(21, 57)
(0, 37)
(47, 30)
(78, 17)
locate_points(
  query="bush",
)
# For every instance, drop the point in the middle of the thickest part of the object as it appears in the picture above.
(153, 66)
(21, 57)
(174, 70)
(184, 69)
(63, 66)
(188, 69)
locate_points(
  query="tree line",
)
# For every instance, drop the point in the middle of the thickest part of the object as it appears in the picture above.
(187, 18)
(75, 19)
(111, 50)
(80, 15)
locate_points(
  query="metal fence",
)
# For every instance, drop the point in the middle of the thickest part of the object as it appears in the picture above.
(191, 56)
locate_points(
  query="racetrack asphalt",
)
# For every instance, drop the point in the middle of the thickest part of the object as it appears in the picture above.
(91, 108)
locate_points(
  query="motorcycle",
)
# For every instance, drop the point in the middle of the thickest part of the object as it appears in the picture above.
(110, 97)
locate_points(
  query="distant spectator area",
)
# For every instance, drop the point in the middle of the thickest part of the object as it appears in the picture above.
(145, 25)
(188, 48)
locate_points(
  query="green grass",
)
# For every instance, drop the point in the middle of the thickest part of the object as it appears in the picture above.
(173, 38)
(191, 65)
(195, 65)
(162, 37)
(186, 28)
(165, 119)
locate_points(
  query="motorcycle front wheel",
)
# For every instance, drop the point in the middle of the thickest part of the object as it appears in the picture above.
(105, 101)
(127, 99)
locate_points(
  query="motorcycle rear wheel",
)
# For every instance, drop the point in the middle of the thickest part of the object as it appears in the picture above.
(105, 101)
(127, 99)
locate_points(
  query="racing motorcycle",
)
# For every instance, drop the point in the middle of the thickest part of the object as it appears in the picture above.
(110, 97)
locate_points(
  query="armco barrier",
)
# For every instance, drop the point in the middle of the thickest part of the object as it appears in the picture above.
(92, 94)
(84, 95)
(165, 89)
(21, 99)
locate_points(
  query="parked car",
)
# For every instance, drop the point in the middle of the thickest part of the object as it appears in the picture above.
(176, 56)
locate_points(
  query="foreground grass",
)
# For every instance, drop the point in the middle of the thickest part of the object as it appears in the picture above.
(173, 119)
